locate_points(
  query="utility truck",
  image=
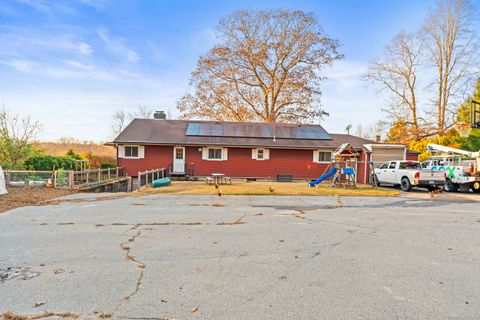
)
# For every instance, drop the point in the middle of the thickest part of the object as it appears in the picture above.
(461, 167)
(408, 174)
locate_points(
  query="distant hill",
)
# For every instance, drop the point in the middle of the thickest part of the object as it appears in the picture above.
(62, 146)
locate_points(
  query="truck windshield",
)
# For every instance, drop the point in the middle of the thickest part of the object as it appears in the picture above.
(409, 165)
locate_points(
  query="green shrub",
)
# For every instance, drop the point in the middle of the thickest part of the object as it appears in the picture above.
(106, 165)
(48, 163)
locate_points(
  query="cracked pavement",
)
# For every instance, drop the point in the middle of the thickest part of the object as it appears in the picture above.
(243, 257)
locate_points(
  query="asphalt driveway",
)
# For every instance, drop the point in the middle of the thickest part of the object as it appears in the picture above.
(242, 257)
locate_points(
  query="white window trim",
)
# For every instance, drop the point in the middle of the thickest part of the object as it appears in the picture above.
(140, 153)
(224, 153)
(316, 155)
(266, 154)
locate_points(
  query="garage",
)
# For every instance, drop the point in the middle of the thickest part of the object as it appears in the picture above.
(386, 152)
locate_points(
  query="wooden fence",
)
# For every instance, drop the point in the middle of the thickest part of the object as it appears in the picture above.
(96, 176)
(146, 177)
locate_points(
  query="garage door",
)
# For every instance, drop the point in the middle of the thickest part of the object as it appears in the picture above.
(382, 154)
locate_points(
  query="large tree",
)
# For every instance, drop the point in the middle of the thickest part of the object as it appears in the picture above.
(266, 68)
(396, 75)
(452, 45)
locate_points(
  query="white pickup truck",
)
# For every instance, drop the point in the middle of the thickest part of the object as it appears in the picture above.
(408, 174)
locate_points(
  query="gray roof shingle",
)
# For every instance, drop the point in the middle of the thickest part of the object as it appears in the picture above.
(173, 132)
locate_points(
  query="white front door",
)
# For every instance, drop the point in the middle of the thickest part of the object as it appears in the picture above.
(178, 160)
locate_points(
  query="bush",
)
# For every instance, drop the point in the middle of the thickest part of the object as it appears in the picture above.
(107, 165)
(48, 163)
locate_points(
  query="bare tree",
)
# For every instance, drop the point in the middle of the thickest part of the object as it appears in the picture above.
(118, 122)
(377, 130)
(121, 118)
(143, 112)
(396, 74)
(452, 43)
(16, 136)
(266, 69)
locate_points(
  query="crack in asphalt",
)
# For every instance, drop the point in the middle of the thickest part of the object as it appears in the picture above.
(126, 246)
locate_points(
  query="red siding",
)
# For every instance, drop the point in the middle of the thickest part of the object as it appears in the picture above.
(156, 157)
(298, 163)
(362, 168)
(412, 156)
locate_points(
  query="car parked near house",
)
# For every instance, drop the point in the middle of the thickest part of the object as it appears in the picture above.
(408, 174)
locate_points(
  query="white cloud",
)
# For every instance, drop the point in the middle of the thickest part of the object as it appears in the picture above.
(20, 42)
(345, 75)
(49, 8)
(118, 46)
(347, 97)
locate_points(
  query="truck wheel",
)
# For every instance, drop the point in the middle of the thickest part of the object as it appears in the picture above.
(406, 185)
(476, 187)
(450, 186)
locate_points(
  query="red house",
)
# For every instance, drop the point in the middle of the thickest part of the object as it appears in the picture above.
(240, 150)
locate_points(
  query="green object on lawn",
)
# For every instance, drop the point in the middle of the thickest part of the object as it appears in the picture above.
(161, 182)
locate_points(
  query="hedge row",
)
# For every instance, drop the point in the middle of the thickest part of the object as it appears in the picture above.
(107, 165)
(49, 163)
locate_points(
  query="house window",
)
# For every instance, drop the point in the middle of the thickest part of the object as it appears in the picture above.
(179, 153)
(214, 154)
(260, 154)
(324, 156)
(131, 152)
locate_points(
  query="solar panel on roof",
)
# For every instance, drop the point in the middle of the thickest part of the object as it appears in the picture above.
(250, 130)
(193, 129)
(216, 130)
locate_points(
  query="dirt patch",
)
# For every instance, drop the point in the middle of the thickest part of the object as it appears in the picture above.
(218, 205)
(23, 197)
(8, 315)
(238, 221)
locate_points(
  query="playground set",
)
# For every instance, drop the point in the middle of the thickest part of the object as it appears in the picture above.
(341, 169)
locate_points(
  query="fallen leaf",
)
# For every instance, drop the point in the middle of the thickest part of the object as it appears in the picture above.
(194, 309)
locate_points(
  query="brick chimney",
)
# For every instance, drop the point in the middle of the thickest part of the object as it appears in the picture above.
(159, 115)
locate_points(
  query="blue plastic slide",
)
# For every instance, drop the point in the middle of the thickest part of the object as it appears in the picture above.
(325, 176)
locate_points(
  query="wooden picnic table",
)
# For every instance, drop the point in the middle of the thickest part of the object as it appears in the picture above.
(218, 177)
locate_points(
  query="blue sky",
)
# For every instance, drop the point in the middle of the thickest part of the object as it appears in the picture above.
(71, 64)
